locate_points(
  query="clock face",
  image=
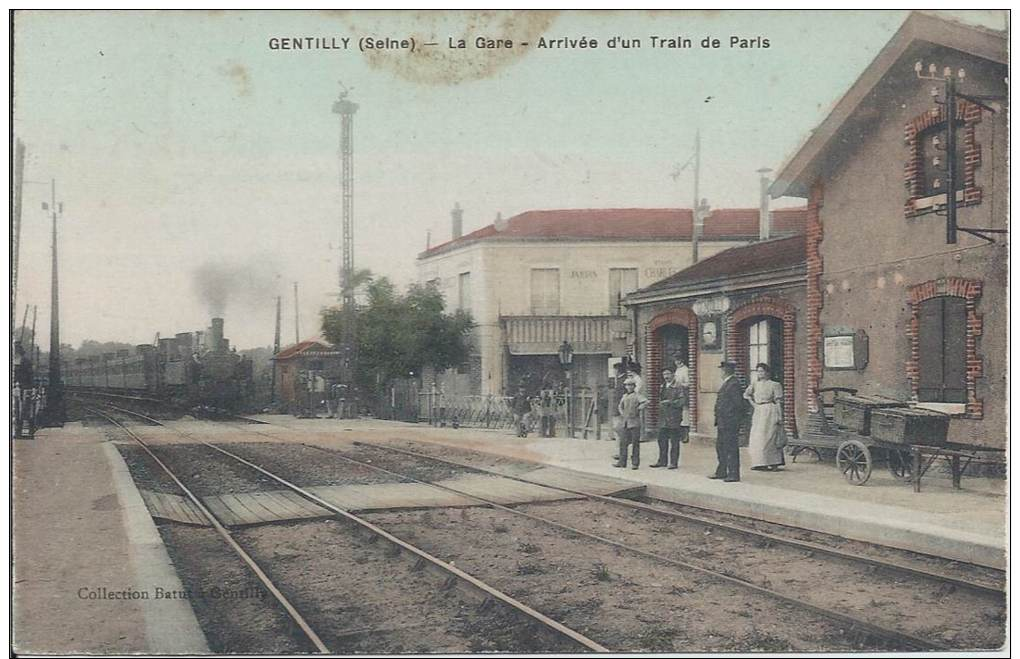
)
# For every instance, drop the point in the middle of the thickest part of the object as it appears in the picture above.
(709, 332)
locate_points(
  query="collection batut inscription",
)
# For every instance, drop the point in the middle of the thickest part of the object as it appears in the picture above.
(476, 332)
(368, 43)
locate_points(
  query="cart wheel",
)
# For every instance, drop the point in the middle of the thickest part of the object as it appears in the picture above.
(899, 464)
(854, 459)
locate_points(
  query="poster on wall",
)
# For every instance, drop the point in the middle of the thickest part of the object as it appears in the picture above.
(839, 351)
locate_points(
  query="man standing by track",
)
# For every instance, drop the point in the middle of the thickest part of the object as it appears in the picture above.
(672, 400)
(631, 406)
(729, 414)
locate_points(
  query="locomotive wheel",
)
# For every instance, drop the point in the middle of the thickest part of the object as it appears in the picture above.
(854, 460)
(899, 464)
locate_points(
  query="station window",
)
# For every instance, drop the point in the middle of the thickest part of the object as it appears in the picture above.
(621, 282)
(464, 291)
(942, 367)
(545, 291)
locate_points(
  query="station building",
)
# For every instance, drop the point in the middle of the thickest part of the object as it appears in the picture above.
(892, 306)
(304, 369)
(545, 276)
(745, 305)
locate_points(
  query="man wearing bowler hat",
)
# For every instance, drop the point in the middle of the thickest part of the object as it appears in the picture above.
(729, 414)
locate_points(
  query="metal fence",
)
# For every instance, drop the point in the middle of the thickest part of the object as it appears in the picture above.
(439, 409)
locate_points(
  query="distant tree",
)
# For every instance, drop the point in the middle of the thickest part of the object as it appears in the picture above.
(90, 348)
(398, 334)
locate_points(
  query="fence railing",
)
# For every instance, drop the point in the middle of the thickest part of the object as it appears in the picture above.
(496, 412)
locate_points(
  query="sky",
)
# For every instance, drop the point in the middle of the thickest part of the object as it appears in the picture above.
(199, 168)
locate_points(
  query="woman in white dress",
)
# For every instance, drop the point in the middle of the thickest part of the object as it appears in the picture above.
(767, 423)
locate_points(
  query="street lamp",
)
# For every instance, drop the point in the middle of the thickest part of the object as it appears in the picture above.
(566, 355)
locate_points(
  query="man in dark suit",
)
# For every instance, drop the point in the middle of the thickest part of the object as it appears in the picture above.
(729, 415)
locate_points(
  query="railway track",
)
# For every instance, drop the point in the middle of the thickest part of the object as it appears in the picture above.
(484, 596)
(892, 567)
(855, 624)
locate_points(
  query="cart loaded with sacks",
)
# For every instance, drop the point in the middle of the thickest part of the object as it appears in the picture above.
(864, 429)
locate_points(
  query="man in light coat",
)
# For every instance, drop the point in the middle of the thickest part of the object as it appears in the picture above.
(630, 408)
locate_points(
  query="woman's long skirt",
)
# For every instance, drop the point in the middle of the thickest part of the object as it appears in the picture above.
(765, 432)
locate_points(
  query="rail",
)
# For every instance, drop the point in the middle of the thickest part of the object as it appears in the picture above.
(291, 610)
(815, 547)
(423, 559)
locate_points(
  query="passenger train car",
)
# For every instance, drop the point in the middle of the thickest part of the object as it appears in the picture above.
(192, 368)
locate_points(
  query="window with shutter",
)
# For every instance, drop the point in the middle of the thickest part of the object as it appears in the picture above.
(464, 291)
(545, 291)
(621, 282)
(942, 339)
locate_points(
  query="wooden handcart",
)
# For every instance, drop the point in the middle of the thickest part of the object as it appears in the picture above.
(865, 429)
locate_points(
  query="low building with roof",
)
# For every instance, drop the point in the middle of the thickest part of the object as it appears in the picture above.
(304, 370)
(545, 276)
(744, 305)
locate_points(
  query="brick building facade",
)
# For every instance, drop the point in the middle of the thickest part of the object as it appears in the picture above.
(744, 305)
(879, 265)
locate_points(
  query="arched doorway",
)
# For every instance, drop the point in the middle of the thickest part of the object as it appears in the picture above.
(674, 340)
(763, 331)
(667, 334)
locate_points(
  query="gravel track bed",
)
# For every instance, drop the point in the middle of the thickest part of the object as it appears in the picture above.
(960, 618)
(208, 472)
(344, 584)
(359, 599)
(906, 557)
(146, 473)
(232, 607)
(307, 466)
(625, 602)
(428, 471)
(902, 556)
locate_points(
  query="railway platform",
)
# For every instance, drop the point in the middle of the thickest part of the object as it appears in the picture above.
(966, 524)
(90, 564)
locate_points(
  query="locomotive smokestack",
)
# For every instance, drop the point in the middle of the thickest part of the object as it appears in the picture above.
(216, 340)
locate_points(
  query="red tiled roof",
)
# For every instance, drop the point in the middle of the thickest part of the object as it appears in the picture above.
(631, 224)
(766, 256)
(298, 348)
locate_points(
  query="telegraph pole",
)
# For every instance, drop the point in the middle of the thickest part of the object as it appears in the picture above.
(695, 208)
(348, 342)
(19, 180)
(276, 350)
(32, 346)
(24, 319)
(297, 326)
(55, 387)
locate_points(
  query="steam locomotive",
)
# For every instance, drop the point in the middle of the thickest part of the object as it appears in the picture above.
(191, 369)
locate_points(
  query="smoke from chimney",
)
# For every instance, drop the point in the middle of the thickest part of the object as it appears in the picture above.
(241, 286)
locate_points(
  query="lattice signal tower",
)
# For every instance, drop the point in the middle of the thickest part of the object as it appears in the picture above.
(346, 109)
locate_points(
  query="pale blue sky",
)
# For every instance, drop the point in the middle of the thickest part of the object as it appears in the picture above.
(180, 138)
